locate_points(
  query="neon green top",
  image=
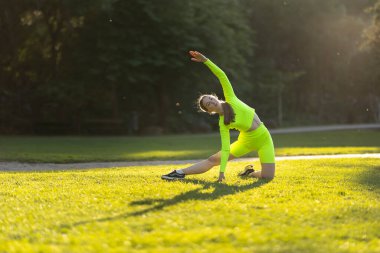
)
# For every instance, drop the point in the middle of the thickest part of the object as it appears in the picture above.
(243, 113)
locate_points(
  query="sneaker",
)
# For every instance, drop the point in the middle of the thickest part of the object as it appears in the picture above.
(247, 170)
(173, 176)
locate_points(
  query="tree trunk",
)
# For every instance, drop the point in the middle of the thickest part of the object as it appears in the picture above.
(279, 105)
(162, 106)
(115, 101)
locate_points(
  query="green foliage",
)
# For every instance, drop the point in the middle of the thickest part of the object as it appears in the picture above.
(320, 52)
(373, 40)
(155, 40)
(67, 63)
(311, 206)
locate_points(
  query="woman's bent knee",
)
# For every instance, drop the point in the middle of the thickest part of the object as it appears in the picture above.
(214, 160)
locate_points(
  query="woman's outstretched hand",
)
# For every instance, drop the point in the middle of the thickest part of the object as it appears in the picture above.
(221, 177)
(197, 57)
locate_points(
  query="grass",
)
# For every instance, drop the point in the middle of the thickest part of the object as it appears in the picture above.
(327, 205)
(85, 149)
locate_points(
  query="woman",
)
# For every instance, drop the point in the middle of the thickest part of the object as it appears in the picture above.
(233, 114)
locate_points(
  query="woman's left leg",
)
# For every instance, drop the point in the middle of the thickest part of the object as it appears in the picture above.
(205, 165)
(237, 149)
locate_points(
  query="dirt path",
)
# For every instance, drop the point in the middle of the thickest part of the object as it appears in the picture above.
(17, 166)
(325, 128)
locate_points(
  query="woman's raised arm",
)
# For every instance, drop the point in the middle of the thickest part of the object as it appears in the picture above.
(223, 79)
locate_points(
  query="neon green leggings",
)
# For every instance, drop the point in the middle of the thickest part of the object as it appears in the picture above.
(258, 140)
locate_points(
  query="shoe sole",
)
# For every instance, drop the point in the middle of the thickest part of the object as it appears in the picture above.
(171, 178)
(244, 174)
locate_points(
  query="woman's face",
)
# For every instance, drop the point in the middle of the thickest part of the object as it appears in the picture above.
(211, 103)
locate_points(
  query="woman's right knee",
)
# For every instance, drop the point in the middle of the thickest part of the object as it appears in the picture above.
(214, 159)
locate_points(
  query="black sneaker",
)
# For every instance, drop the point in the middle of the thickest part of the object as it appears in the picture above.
(247, 170)
(173, 176)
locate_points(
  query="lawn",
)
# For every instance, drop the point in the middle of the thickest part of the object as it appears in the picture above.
(85, 149)
(327, 205)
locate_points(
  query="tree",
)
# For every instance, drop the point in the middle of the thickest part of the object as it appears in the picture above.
(312, 41)
(142, 55)
(372, 45)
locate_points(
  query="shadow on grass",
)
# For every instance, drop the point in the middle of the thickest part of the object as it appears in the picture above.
(365, 174)
(371, 178)
(220, 190)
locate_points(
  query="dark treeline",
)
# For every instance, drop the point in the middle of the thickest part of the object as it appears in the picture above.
(121, 67)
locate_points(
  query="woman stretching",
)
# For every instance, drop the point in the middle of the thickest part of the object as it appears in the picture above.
(233, 114)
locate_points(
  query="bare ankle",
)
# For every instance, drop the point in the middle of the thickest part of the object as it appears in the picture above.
(255, 174)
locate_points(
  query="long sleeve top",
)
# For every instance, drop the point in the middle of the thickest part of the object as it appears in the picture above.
(243, 114)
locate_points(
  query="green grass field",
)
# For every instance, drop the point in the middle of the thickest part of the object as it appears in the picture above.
(327, 205)
(85, 149)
